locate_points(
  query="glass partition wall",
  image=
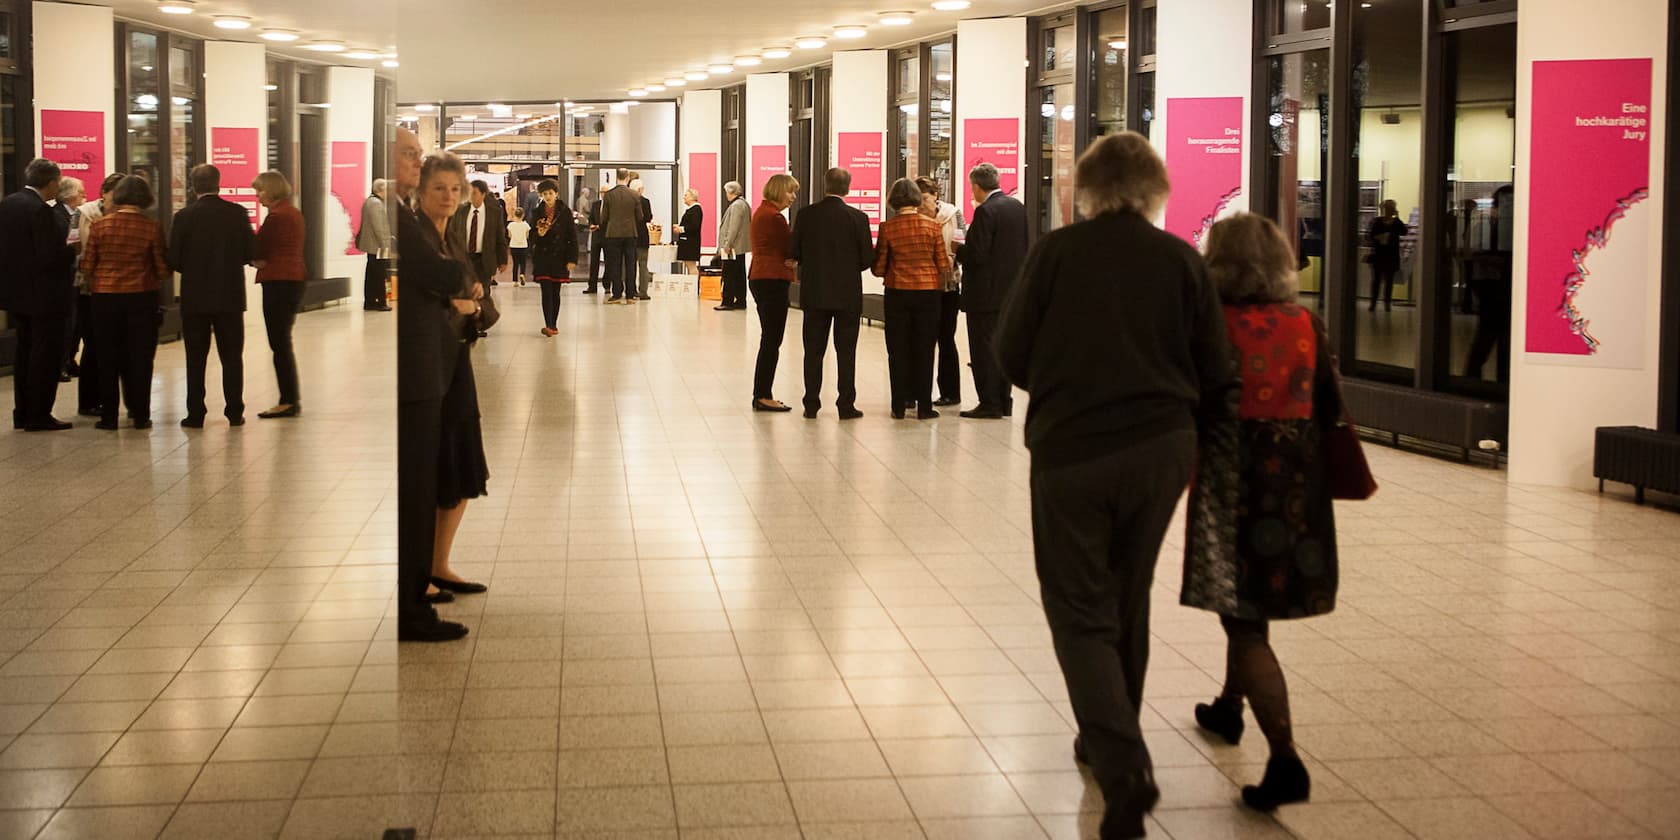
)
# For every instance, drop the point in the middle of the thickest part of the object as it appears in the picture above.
(921, 93)
(16, 128)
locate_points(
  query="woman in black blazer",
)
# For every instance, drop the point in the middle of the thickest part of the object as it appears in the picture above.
(688, 232)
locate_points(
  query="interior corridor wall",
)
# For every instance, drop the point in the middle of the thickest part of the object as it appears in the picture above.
(1557, 402)
(75, 103)
(857, 137)
(350, 167)
(646, 132)
(701, 157)
(1196, 60)
(236, 115)
(991, 89)
(767, 133)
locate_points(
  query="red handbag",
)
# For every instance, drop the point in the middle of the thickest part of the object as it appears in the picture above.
(1347, 475)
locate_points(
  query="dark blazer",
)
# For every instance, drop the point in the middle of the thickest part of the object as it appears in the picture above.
(495, 250)
(36, 256)
(831, 242)
(210, 244)
(992, 256)
(643, 238)
(688, 242)
(553, 251)
(621, 213)
(428, 346)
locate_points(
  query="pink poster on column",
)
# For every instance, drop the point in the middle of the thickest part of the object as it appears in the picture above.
(235, 152)
(1590, 166)
(703, 179)
(1204, 162)
(997, 142)
(75, 140)
(860, 154)
(350, 185)
(766, 161)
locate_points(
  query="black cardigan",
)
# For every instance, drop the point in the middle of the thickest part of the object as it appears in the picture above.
(552, 252)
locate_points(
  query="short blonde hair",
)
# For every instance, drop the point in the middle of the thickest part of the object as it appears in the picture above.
(1250, 261)
(780, 187)
(691, 193)
(1119, 173)
(272, 186)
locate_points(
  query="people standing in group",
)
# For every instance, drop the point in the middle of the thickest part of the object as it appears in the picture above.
(281, 273)
(770, 280)
(1119, 338)
(911, 260)
(553, 252)
(1285, 548)
(519, 244)
(644, 240)
(1384, 238)
(480, 226)
(374, 239)
(36, 244)
(71, 196)
(991, 256)
(126, 261)
(621, 218)
(597, 249)
(210, 243)
(734, 244)
(948, 369)
(87, 370)
(830, 247)
(688, 232)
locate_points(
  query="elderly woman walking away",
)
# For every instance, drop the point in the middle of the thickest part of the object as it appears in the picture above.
(1284, 560)
(1117, 334)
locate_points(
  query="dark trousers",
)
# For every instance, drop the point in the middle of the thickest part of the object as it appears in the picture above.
(772, 299)
(597, 259)
(229, 331)
(620, 254)
(35, 370)
(74, 328)
(912, 333)
(550, 302)
(845, 326)
(1097, 528)
(518, 256)
(1382, 284)
(419, 435)
(990, 386)
(950, 364)
(280, 307)
(87, 383)
(734, 282)
(1493, 328)
(373, 281)
(125, 326)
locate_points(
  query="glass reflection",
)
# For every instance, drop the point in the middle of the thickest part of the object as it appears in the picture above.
(1297, 145)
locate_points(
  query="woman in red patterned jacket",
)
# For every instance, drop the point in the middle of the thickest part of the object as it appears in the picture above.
(123, 260)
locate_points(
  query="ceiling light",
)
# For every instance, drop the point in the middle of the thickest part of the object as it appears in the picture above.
(619, 107)
(697, 75)
(675, 81)
(950, 5)
(656, 88)
(325, 46)
(1117, 45)
(942, 77)
(896, 18)
(391, 63)
(361, 55)
(748, 61)
(775, 53)
(638, 92)
(271, 88)
(721, 69)
(425, 108)
(279, 35)
(176, 7)
(233, 22)
(850, 33)
(810, 42)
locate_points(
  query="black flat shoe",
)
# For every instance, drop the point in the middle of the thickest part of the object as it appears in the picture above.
(1079, 751)
(90, 412)
(1222, 718)
(944, 402)
(776, 408)
(1123, 818)
(435, 630)
(460, 587)
(927, 414)
(898, 414)
(850, 414)
(142, 425)
(810, 414)
(236, 421)
(277, 412)
(106, 425)
(192, 422)
(442, 596)
(1286, 781)
(981, 414)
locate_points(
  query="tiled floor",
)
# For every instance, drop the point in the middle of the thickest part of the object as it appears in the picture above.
(708, 623)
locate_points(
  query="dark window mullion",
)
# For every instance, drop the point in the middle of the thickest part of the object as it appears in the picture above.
(1434, 296)
(1341, 193)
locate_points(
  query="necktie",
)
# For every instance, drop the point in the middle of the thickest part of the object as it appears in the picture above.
(472, 231)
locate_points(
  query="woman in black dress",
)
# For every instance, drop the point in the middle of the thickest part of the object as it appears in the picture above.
(1384, 239)
(688, 232)
(554, 250)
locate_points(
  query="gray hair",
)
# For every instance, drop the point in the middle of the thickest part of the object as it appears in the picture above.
(691, 193)
(984, 177)
(733, 188)
(1250, 261)
(39, 173)
(1121, 172)
(70, 187)
(380, 185)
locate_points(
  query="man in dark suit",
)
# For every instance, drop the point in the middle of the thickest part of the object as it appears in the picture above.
(621, 215)
(34, 293)
(210, 244)
(991, 258)
(479, 224)
(830, 242)
(597, 245)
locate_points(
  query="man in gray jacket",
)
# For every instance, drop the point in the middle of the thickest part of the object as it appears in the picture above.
(734, 243)
(621, 216)
(374, 239)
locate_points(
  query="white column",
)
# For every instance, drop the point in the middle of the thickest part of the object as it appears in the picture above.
(767, 131)
(857, 138)
(350, 166)
(236, 116)
(74, 96)
(702, 142)
(1204, 77)
(991, 91)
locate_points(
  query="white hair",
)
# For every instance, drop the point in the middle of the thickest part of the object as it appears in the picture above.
(635, 183)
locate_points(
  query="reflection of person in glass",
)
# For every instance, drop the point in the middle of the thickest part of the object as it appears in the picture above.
(1460, 239)
(1490, 281)
(1384, 238)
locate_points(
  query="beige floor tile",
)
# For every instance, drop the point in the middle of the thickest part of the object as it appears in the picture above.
(747, 804)
(36, 789)
(812, 760)
(722, 763)
(138, 822)
(630, 810)
(934, 797)
(217, 820)
(227, 781)
(1453, 819)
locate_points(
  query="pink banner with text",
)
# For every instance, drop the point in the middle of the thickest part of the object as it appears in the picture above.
(75, 140)
(1204, 162)
(703, 179)
(1590, 167)
(861, 154)
(236, 152)
(997, 142)
(350, 185)
(766, 162)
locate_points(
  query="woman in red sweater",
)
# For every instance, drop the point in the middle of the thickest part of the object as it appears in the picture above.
(123, 260)
(281, 273)
(769, 279)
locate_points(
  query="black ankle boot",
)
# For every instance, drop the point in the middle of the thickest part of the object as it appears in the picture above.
(1286, 781)
(1123, 817)
(1222, 717)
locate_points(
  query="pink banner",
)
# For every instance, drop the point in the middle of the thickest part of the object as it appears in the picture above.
(861, 154)
(993, 141)
(703, 179)
(1204, 161)
(75, 140)
(766, 161)
(235, 151)
(1590, 162)
(350, 184)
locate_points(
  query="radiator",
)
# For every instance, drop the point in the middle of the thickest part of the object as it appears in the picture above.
(1644, 458)
(1457, 422)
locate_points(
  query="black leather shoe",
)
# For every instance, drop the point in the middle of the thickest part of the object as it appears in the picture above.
(106, 425)
(441, 596)
(927, 414)
(643, 297)
(461, 587)
(142, 425)
(810, 414)
(944, 402)
(192, 422)
(1079, 751)
(898, 412)
(90, 412)
(1123, 817)
(982, 413)
(277, 412)
(51, 424)
(236, 421)
(850, 414)
(64, 377)
(435, 630)
(776, 408)
(589, 291)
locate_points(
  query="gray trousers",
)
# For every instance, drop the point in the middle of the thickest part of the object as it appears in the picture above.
(1097, 528)
(642, 270)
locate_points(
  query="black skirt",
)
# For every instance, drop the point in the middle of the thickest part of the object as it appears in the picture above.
(688, 242)
(463, 472)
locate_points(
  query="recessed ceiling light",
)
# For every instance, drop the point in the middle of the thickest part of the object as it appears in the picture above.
(325, 46)
(810, 42)
(656, 88)
(176, 7)
(233, 22)
(391, 63)
(896, 18)
(279, 35)
(271, 88)
(1117, 44)
(721, 69)
(676, 81)
(425, 107)
(638, 92)
(361, 55)
(850, 33)
(951, 5)
(697, 75)
(748, 61)
(775, 53)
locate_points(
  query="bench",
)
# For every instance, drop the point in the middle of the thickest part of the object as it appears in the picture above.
(1644, 458)
(1457, 422)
